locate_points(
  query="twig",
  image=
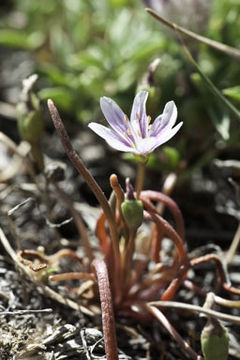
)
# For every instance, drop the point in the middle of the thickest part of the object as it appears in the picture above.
(221, 268)
(184, 345)
(46, 290)
(215, 44)
(26, 312)
(228, 105)
(197, 309)
(234, 245)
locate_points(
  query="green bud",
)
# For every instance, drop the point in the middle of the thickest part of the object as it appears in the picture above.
(30, 120)
(30, 123)
(132, 211)
(214, 340)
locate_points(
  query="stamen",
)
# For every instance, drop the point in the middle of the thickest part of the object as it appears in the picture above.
(137, 116)
(149, 119)
(126, 118)
(129, 132)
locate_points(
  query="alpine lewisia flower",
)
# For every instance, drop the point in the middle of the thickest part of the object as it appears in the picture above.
(137, 135)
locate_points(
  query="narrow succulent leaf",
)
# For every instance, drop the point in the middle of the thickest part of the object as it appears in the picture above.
(228, 105)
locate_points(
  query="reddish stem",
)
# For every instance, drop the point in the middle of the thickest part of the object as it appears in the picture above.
(169, 231)
(157, 242)
(220, 268)
(168, 326)
(170, 292)
(108, 321)
(101, 233)
(149, 195)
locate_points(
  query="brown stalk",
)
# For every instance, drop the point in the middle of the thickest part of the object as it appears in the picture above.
(170, 292)
(46, 290)
(63, 253)
(108, 321)
(72, 276)
(220, 268)
(102, 236)
(148, 195)
(169, 231)
(151, 288)
(197, 309)
(168, 326)
(25, 255)
(84, 172)
(157, 237)
(215, 44)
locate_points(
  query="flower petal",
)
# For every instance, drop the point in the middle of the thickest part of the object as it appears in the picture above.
(146, 145)
(166, 135)
(114, 115)
(166, 120)
(138, 113)
(111, 137)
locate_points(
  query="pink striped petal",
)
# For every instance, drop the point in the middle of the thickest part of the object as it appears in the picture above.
(111, 137)
(114, 115)
(138, 113)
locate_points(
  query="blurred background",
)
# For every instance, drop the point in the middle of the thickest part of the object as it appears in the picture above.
(84, 49)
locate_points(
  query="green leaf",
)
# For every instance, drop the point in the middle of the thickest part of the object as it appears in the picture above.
(62, 97)
(233, 92)
(20, 40)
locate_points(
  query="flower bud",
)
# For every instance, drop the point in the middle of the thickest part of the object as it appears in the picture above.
(30, 120)
(132, 211)
(214, 341)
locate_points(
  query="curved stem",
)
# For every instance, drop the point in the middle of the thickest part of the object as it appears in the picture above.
(170, 292)
(222, 271)
(81, 168)
(197, 309)
(169, 231)
(108, 321)
(72, 276)
(148, 195)
(168, 326)
(157, 238)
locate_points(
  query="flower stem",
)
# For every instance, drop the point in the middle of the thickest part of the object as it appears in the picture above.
(140, 177)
